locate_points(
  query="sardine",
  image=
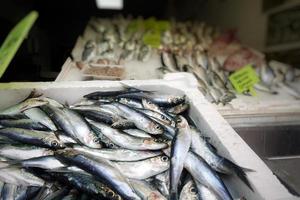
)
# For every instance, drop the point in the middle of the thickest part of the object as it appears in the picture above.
(27, 104)
(8, 192)
(37, 115)
(24, 123)
(137, 133)
(23, 152)
(189, 191)
(103, 170)
(145, 168)
(180, 146)
(145, 190)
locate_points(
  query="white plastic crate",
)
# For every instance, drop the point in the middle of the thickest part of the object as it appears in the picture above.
(206, 117)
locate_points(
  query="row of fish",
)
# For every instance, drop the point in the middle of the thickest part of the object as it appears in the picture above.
(122, 144)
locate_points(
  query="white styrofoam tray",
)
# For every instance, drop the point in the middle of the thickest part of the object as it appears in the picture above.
(206, 117)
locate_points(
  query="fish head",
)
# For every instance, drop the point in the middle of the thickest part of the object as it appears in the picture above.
(53, 142)
(176, 99)
(155, 128)
(93, 141)
(148, 104)
(181, 122)
(66, 153)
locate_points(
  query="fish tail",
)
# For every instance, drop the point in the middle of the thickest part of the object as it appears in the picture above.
(239, 171)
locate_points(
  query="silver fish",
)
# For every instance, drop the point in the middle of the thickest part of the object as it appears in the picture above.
(37, 115)
(137, 133)
(180, 146)
(18, 176)
(145, 168)
(27, 104)
(162, 182)
(73, 125)
(146, 191)
(205, 193)
(189, 191)
(139, 119)
(126, 141)
(38, 138)
(117, 154)
(23, 123)
(23, 152)
(8, 192)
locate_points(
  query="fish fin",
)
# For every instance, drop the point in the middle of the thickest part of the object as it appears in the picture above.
(130, 88)
(211, 147)
(239, 171)
(12, 164)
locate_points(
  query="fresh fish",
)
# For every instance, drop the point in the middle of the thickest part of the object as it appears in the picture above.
(126, 141)
(139, 119)
(8, 192)
(23, 152)
(43, 162)
(87, 184)
(162, 182)
(168, 61)
(178, 109)
(189, 191)
(145, 168)
(37, 115)
(154, 114)
(203, 149)
(160, 99)
(18, 176)
(116, 154)
(137, 133)
(73, 125)
(28, 194)
(145, 190)
(131, 102)
(89, 50)
(16, 116)
(205, 193)
(169, 131)
(202, 173)
(103, 170)
(148, 104)
(23, 123)
(58, 194)
(180, 146)
(104, 140)
(65, 139)
(37, 138)
(27, 104)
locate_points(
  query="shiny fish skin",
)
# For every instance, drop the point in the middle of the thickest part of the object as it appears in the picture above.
(220, 164)
(148, 104)
(43, 162)
(156, 115)
(103, 170)
(205, 193)
(38, 138)
(24, 123)
(145, 168)
(8, 192)
(18, 176)
(116, 154)
(137, 133)
(202, 173)
(140, 120)
(73, 125)
(126, 141)
(37, 115)
(23, 152)
(189, 191)
(27, 104)
(146, 191)
(180, 146)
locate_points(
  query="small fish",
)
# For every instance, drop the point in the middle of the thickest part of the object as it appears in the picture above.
(162, 183)
(137, 133)
(126, 141)
(24, 123)
(168, 61)
(189, 191)
(179, 149)
(27, 104)
(139, 119)
(144, 168)
(37, 115)
(145, 190)
(38, 138)
(89, 50)
(205, 193)
(117, 154)
(103, 170)
(178, 109)
(23, 152)
(8, 192)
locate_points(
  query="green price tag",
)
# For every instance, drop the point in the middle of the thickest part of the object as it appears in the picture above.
(244, 79)
(152, 38)
(14, 40)
(163, 25)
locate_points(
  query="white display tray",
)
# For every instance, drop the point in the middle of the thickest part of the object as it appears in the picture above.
(206, 117)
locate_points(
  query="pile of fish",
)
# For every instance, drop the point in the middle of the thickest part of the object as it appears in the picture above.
(123, 144)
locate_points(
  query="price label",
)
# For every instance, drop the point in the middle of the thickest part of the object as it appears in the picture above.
(163, 25)
(134, 26)
(244, 79)
(152, 38)
(14, 40)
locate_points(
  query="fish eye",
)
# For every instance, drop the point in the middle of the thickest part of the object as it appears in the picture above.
(111, 145)
(111, 193)
(193, 190)
(54, 143)
(95, 140)
(157, 127)
(178, 120)
(164, 158)
(163, 117)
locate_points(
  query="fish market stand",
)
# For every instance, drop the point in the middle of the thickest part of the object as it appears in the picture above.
(206, 117)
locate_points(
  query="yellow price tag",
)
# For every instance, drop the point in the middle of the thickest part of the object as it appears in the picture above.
(152, 38)
(244, 79)
(14, 40)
